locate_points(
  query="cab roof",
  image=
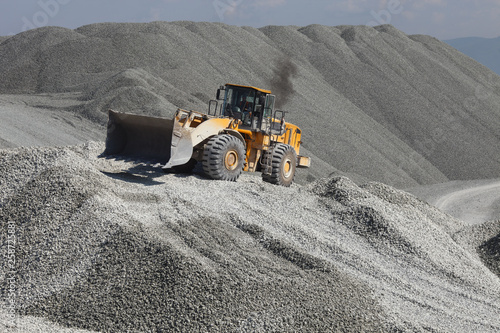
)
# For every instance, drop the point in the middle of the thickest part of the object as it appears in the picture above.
(250, 87)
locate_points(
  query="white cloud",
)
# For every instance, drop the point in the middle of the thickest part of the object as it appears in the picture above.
(409, 15)
(423, 4)
(438, 18)
(353, 6)
(155, 14)
(268, 3)
(246, 8)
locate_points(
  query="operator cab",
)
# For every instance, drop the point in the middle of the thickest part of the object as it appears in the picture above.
(254, 107)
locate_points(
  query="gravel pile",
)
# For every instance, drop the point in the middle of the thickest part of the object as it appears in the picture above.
(484, 241)
(372, 102)
(54, 125)
(87, 259)
(107, 245)
(490, 252)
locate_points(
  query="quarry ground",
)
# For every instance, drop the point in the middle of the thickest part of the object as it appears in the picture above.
(106, 245)
(100, 245)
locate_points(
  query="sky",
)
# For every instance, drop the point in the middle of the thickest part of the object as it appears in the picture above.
(443, 19)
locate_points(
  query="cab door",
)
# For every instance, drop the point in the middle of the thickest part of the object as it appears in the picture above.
(267, 114)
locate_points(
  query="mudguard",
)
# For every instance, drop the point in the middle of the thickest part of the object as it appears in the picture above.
(185, 136)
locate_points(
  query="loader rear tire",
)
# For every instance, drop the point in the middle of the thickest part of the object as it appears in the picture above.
(283, 165)
(224, 157)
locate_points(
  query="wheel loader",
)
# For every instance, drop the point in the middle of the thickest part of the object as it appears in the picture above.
(241, 131)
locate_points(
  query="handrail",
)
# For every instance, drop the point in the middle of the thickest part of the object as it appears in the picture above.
(210, 106)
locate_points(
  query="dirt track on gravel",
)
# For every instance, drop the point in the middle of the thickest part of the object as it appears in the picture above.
(473, 202)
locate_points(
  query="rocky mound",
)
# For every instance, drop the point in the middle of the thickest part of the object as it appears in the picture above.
(484, 241)
(107, 245)
(490, 253)
(372, 102)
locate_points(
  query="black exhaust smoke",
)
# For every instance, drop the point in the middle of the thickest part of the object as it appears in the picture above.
(281, 83)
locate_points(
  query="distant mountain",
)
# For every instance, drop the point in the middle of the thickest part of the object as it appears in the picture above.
(484, 50)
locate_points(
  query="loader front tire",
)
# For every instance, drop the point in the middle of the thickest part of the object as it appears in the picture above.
(224, 157)
(283, 161)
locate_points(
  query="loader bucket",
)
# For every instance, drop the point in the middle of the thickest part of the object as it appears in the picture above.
(139, 137)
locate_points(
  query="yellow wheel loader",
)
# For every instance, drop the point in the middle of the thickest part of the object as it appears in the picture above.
(240, 132)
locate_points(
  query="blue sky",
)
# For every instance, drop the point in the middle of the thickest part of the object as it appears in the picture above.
(443, 19)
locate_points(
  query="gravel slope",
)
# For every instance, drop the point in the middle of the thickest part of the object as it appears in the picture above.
(107, 245)
(44, 125)
(374, 102)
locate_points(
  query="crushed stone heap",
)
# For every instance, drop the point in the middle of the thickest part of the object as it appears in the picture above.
(372, 102)
(106, 245)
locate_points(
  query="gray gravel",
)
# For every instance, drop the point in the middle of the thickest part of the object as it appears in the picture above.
(490, 251)
(44, 120)
(372, 102)
(111, 246)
